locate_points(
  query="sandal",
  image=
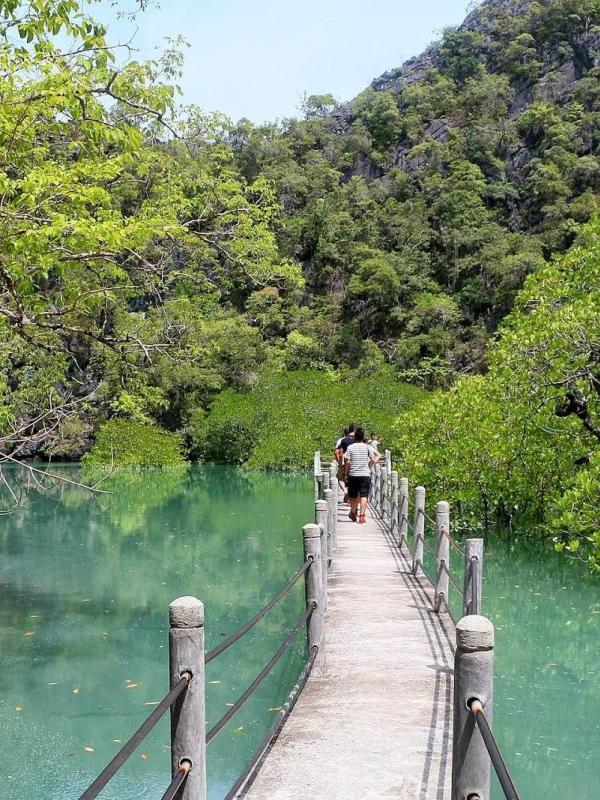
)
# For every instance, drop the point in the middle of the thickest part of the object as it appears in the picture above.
(362, 519)
(352, 516)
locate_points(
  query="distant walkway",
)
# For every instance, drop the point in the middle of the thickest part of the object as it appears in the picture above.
(374, 720)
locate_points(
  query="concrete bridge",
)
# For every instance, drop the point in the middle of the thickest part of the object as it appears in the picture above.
(375, 717)
(396, 697)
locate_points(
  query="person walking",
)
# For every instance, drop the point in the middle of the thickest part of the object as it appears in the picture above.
(340, 450)
(374, 441)
(338, 443)
(359, 459)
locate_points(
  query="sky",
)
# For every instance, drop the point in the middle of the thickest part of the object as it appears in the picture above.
(257, 58)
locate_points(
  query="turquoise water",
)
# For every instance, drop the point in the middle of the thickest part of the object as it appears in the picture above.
(546, 611)
(84, 593)
(83, 623)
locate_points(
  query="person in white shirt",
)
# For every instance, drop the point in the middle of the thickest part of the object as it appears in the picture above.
(359, 458)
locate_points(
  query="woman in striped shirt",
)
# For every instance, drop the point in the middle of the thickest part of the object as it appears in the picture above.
(359, 458)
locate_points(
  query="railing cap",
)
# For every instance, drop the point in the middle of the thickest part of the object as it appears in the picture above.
(186, 612)
(312, 531)
(474, 632)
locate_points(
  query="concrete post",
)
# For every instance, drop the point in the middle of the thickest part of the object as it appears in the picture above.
(321, 519)
(418, 528)
(373, 492)
(331, 515)
(403, 512)
(442, 560)
(335, 488)
(394, 510)
(317, 472)
(473, 678)
(333, 470)
(473, 573)
(388, 461)
(186, 654)
(326, 481)
(311, 535)
(385, 511)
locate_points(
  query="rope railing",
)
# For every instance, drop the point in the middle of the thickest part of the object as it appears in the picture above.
(230, 640)
(445, 569)
(506, 782)
(218, 726)
(427, 517)
(179, 779)
(453, 543)
(136, 739)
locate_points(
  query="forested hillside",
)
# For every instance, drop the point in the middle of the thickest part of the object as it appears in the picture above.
(418, 209)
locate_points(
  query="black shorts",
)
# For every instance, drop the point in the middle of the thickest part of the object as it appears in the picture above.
(359, 485)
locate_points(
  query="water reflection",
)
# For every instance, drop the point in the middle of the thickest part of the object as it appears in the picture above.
(84, 594)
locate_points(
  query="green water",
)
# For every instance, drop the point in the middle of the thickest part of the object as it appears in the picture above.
(83, 623)
(546, 610)
(92, 586)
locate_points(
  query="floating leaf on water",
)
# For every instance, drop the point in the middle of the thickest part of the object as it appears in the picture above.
(88, 749)
(144, 756)
(275, 708)
(29, 633)
(52, 683)
(75, 691)
(18, 708)
(87, 600)
(34, 616)
(118, 741)
(132, 685)
(229, 704)
(152, 703)
(240, 729)
(214, 683)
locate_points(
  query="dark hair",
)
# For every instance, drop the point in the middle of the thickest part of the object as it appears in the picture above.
(346, 431)
(359, 435)
(351, 428)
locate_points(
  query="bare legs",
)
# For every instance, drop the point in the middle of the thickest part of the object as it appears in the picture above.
(363, 505)
(356, 503)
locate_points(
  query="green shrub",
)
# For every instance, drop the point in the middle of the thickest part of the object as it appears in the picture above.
(289, 415)
(132, 444)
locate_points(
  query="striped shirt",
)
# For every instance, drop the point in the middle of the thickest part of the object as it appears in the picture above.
(358, 456)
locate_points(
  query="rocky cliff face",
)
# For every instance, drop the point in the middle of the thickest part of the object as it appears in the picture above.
(559, 73)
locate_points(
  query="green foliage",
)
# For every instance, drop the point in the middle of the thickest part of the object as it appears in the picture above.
(287, 416)
(128, 256)
(132, 444)
(525, 439)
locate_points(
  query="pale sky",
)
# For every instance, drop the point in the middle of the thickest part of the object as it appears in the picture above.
(256, 58)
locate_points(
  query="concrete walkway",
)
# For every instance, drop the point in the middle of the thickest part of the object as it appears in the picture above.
(374, 720)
